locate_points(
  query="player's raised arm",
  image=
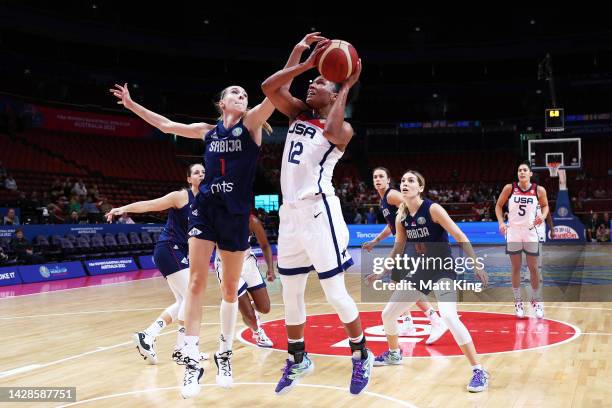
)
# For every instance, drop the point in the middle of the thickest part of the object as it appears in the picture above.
(170, 200)
(337, 131)
(192, 131)
(275, 87)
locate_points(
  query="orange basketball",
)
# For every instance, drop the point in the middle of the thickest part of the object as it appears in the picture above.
(338, 61)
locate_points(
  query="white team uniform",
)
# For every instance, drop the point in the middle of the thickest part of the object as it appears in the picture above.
(522, 236)
(250, 277)
(312, 231)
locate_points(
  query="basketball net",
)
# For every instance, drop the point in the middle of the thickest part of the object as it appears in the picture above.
(553, 168)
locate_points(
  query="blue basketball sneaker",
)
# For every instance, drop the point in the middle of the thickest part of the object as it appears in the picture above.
(362, 372)
(292, 373)
(388, 358)
(479, 382)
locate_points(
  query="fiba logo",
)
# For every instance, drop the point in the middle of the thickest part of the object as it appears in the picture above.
(237, 132)
(562, 211)
(421, 220)
(44, 271)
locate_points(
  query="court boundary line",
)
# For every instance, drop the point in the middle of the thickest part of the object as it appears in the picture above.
(80, 287)
(328, 387)
(36, 366)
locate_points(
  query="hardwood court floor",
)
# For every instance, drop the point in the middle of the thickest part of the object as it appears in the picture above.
(82, 338)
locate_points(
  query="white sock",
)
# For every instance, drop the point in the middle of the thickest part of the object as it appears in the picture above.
(155, 327)
(394, 350)
(536, 294)
(180, 337)
(257, 319)
(228, 314)
(191, 347)
(477, 367)
(517, 294)
(357, 339)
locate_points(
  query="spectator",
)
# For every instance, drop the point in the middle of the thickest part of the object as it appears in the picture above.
(79, 189)
(10, 183)
(371, 216)
(56, 215)
(91, 211)
(74, 205)
(358, 218)
(73, 219)
(104, 206)
(3, 256)
(125, 219)
(10, 218)
(591, 227)
(603, 233)
(487, 216)
(22, 247)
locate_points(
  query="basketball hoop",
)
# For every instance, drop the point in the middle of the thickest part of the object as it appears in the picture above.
(553, 168)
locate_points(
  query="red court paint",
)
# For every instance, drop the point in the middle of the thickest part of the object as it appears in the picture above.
(492, 333)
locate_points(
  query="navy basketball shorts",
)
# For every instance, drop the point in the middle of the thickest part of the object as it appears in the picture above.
(170, 257)
(210, 220)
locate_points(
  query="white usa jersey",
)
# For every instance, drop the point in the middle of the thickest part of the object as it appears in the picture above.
(522, 206)
(308, 160)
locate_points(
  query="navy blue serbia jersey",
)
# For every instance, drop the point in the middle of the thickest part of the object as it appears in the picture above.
(230, 160)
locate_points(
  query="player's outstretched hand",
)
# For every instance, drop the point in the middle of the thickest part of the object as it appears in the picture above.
(123, 94)
(352, 80)
(483, 276)
(368, 246)
(115, 211)
(308, 40)
(311, 61)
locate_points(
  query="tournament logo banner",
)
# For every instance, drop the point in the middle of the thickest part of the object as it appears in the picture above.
(50, 272)
(114, 265)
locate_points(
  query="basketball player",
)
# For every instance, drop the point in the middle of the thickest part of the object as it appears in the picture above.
(219, 214)
(251, 283)
(312, 232)
(171, 258)
(425, 225)
(390, 199)
(521, 233)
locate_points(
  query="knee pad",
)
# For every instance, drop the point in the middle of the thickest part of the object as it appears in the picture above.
(448, 312)
(293, 298)
(338, 297)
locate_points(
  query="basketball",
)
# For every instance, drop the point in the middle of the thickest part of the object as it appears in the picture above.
(338, 61)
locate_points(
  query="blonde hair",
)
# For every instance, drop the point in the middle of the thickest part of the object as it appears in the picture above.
(265, 126)
(403, 211)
